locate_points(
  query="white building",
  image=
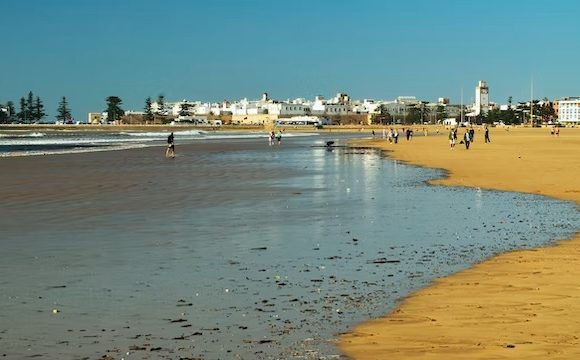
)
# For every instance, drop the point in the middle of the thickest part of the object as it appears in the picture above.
(367, 106)
(324, 107)
(96, 118)
(246, 107)
(407, 100)
(287, 108)
(211, 108)
(569, 110)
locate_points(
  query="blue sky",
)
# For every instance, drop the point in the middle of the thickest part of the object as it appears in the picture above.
(213, 50)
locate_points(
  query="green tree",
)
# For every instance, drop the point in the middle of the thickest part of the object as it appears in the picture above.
(38, 110)
(441, 113)
(414, 114)
(482, 118)
(30, 107)
(382, 116)
(546, 111)
(425, 111)
(114, 111)
(23, 113)
(148, 111)
(161, 104)
(63, 111)
(492, 116)
(184, 108)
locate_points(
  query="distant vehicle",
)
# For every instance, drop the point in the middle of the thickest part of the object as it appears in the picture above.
(186, 119)
(303, 121)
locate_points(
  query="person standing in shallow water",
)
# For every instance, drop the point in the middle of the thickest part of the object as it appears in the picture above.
(170, 151)
(271, 137)
(279, 137)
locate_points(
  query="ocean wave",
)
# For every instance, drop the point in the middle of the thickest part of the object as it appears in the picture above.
(165, 133)
(34, 134)
(41, 143)
(70, 151)
(63, 141)
(28, 135)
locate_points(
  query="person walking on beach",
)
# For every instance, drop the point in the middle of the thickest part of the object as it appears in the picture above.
(467, 139)
(471, 134)
(452, 137)
(279, 137)
(170, 151)
(396, 136)
(486, 135)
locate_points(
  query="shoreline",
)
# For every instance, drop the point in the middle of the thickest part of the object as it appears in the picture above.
(167, 127)
(519, 304)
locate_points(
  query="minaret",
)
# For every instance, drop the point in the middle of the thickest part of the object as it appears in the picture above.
(481, 98)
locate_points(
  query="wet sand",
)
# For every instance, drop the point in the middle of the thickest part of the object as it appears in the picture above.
(522, 304)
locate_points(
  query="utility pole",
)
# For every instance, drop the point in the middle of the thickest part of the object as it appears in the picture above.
(461, 105)
(532, 102)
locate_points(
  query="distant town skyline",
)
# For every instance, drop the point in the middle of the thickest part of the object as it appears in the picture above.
(215, 50)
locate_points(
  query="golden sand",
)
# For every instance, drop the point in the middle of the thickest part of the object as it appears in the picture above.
(519, 305)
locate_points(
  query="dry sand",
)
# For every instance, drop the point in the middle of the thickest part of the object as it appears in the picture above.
(519, 305)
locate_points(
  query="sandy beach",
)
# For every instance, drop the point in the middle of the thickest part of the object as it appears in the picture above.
(521, 304)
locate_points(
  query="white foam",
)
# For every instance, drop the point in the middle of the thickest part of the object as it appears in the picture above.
(64, 141)
(32, 135)
(104, 142)
(71, 151)
(165, 133)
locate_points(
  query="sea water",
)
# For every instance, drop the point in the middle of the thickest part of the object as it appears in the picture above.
(237, 249)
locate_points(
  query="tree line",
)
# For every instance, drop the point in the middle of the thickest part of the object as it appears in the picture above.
(115, 112)
(31, 110)
(513, 115)
(519, 114)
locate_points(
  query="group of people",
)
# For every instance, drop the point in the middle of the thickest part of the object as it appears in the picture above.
(274, 137)
(392, 135)
(170, 150)
(468, 137)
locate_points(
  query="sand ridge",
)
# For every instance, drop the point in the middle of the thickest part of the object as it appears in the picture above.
(518, 305)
